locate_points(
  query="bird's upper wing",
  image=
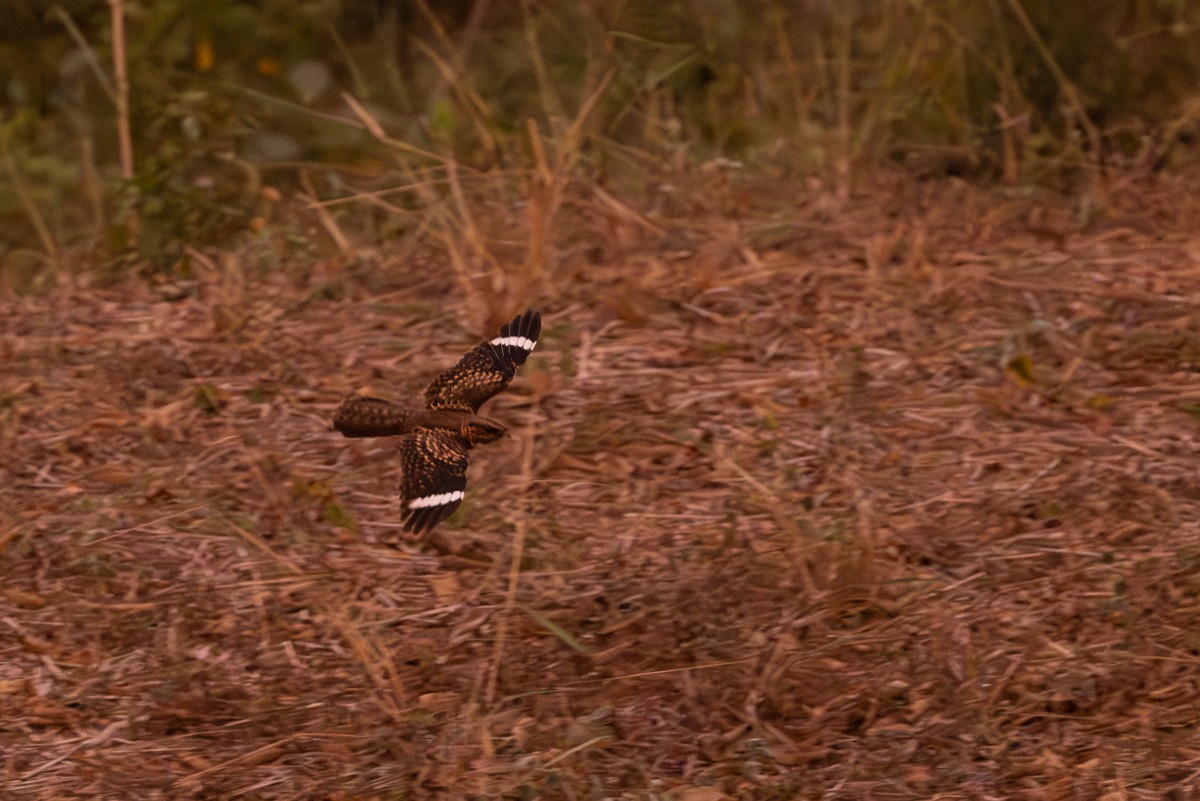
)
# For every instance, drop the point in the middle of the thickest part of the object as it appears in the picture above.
(488, 368)
(434, 480)
(369, 417)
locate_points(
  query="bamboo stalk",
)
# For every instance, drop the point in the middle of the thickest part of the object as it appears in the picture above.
(121, 79)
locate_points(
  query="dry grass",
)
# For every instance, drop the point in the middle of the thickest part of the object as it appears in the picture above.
(893, 498)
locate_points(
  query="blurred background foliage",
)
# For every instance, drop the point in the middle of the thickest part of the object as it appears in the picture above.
(396, 106)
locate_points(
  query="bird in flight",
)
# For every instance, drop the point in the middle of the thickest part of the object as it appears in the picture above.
(435, 440)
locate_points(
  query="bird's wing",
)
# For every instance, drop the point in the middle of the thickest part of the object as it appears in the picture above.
(434, 480)
(488, 368)
(369, 417)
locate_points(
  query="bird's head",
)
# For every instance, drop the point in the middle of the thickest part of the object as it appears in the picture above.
(481, 430)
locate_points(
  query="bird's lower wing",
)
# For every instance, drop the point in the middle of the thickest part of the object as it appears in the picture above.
(434, 480)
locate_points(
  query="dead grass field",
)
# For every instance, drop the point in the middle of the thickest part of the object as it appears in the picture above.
(895, 498)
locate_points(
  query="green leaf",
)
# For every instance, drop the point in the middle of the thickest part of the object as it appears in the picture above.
(557, 630)
(336, 515)
(1191, 407)
(208, 398)
(1020, 369)
(442, 118)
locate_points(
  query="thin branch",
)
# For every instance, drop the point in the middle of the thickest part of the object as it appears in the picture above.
(514, 567)
(89, 53)
(27, 201)
(121, 77)
(1065, 83)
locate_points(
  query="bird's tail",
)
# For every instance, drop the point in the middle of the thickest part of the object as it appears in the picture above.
(370, 417)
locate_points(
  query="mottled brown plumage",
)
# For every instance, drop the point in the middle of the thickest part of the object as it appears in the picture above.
(371, 417)
(361, 416)
(486, 370)
(435, 440)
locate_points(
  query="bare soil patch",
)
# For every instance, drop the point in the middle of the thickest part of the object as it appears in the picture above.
(891, 498)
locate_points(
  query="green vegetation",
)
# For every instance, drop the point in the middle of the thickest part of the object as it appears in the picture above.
(406, 119)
